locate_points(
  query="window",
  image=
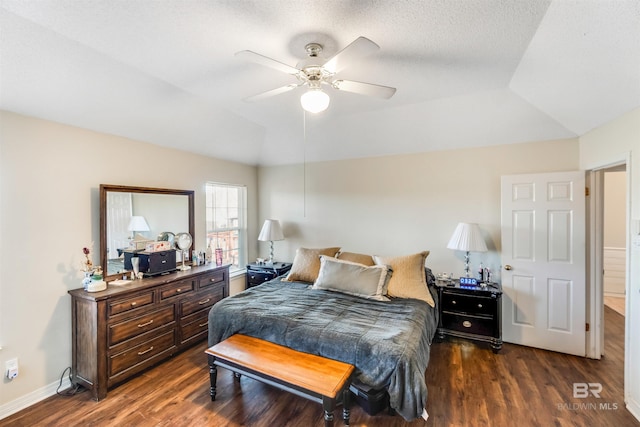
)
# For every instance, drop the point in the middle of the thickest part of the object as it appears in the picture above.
(226, 218)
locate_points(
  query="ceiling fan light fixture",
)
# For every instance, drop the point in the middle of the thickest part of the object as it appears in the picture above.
(314, 101)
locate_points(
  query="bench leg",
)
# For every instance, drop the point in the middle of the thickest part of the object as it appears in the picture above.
(346, 405)
(328, 405)
(213, 377)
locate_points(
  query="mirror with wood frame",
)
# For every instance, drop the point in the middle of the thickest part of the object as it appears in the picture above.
(129, 216)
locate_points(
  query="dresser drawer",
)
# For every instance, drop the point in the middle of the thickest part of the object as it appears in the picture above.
(194, 326)
(211, 279)
(468, 304)
(121, 306)
(175, 289)
(469, 324)
(258, 277)
(202, 301)
(141, 353)
(139, 325)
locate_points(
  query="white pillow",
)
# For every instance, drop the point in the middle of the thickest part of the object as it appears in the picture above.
(353, 278)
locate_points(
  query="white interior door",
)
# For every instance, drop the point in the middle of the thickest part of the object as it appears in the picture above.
(543, 258)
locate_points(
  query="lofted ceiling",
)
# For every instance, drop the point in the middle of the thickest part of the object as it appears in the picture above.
(468, 73)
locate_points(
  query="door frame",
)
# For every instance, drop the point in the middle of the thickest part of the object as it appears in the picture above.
(595, 250)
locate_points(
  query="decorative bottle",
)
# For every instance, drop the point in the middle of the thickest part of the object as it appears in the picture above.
(481, 273)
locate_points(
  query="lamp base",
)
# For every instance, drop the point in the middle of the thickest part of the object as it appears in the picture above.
(270, 260)
(466, 264)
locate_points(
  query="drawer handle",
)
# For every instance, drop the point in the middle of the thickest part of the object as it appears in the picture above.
(213, 280)
(454, 302)
(479, 305)
(179, 290)
(133, 304)
(142, 325)
(203, 324)
(205, 301)
(466, 324)
(140, 353)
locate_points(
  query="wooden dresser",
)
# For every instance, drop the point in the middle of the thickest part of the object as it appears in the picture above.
(123, 330)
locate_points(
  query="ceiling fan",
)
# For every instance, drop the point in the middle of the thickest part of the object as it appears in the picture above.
(314, 72)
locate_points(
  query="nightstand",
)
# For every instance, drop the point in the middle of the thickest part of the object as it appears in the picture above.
(260, 273)
(472, 312)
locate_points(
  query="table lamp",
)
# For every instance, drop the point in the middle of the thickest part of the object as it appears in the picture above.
(271, 231)
(467, 238)
(137, 223)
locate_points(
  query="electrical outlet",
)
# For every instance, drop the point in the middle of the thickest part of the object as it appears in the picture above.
(11, 368)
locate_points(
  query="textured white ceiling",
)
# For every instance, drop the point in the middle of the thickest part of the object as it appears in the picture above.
(468, 72)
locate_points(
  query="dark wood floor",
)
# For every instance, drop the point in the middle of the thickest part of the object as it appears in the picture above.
(468, 386)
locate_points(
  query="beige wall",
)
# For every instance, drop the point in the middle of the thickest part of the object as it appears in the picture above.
(49, 176)
(615, 205)
(402, 204)
(616, 141)
(611, 144)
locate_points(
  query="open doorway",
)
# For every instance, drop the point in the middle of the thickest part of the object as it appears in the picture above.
(617, 212)
(614, 238)
(607, 330)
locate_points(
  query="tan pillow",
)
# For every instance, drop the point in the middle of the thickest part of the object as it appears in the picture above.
(353, 278)
(354, 257)
(409, 278)
(306, 264)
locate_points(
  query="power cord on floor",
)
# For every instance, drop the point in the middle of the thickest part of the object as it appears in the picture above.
(75, 388)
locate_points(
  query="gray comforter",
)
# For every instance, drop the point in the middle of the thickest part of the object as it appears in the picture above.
(387, 342)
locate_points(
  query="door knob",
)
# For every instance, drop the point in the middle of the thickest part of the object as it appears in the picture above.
(507, 267)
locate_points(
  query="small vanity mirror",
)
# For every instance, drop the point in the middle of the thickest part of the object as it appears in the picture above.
(132, 216)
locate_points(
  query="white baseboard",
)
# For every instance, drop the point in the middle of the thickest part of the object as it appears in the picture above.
(32, 398)
(614, 294)
(634, 408)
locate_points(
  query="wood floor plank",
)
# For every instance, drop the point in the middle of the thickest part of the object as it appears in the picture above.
(468, 386)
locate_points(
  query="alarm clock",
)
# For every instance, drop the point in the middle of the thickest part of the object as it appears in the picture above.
(469, 282)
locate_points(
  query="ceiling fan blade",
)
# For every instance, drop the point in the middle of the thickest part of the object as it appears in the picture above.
(267, 62)
(272, 92)
(358, 48)
(369, 89)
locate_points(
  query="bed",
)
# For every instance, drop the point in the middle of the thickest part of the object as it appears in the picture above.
(387, 341)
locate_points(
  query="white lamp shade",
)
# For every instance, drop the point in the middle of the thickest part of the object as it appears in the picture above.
(314, 101)
(271, 231)
(138, 223)
(467, 237)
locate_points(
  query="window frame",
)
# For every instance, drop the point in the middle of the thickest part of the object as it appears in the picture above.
(242, 220)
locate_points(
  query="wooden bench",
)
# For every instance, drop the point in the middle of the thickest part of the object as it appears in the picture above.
(313, 377)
